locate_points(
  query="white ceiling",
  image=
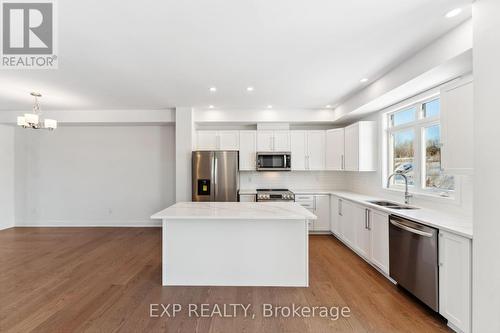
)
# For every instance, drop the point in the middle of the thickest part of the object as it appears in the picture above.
(153, 54)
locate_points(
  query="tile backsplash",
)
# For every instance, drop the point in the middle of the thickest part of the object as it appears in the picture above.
(321, 180)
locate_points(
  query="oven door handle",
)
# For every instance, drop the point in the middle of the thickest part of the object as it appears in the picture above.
(414, 231)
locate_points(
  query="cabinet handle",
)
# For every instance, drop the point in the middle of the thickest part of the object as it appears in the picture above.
(369, 221)
(366, 218)
(342, 162)
(441, 264)
(340, 207)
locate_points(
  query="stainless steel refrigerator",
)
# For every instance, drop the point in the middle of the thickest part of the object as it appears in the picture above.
(215, 176)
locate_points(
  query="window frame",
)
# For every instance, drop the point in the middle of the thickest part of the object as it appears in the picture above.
(418, 126)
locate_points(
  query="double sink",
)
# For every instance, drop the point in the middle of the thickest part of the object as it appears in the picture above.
(390, 205)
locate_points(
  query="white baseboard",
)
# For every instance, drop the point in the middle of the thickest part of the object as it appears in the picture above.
(4, 227)
(90, 223)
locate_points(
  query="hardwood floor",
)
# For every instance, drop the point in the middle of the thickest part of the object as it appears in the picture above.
(104, 280)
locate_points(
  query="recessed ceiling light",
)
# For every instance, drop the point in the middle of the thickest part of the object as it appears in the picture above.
(328, 106)
(210, 106)
(250, 89)
(213, 89)
(453, 12)
(269, 106)
(363, 80)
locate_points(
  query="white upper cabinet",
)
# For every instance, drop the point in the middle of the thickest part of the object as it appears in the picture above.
(248, 145)
(308, 150)
(298, 150)
(282, 140)
(273, 140)
(229, 140)
(335, 149)
(360, 146)
(265, 141)
(315, 150)
(455, 276)
(217, 140)
(457, 119)
(207, 140)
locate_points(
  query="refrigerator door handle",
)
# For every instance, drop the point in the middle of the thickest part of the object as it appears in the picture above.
(215, 178)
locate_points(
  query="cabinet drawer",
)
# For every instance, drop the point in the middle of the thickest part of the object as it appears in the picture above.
(304, 197)
(306, 204)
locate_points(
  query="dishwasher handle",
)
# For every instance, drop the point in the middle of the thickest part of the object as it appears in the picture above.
(412, 230)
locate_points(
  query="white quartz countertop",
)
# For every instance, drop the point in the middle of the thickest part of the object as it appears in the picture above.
(456, 224)
(459, 225)
(235, 210)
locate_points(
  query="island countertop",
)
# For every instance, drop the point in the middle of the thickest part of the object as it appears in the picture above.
(235, 210)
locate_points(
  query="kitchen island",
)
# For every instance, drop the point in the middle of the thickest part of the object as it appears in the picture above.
(235, 244)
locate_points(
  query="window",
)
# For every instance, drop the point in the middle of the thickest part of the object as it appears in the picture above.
(414, 148)
(403, 159)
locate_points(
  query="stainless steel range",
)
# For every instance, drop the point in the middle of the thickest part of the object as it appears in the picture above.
(274, 195)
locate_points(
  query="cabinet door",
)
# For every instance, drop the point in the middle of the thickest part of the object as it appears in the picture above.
(457, 119)
(316, 150)
(347, 225)
(298, 149)
(352, 148)
(455, 280)
(335, 215)
(248, 142)
(362, 233)
(322, 211)
(379, 242)
(229, 140)
(206, 140)
(265, 141)
(335, 149)
(281, 141)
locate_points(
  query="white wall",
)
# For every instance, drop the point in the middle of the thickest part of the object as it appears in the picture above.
(6, 177)
(486, 266)
(94, 175)
(184, 132)
(326, 180)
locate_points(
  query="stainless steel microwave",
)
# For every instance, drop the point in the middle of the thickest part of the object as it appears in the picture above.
(274, 161)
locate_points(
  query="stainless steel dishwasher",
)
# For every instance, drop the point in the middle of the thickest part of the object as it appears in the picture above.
(413, 259)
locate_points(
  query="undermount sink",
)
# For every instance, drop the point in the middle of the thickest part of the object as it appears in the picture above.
(391, 205)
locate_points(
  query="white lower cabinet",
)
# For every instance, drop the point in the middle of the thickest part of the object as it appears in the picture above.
(378, 223)
(455, 280)
(335, 215)
(319, 205)
(365, 230)
(362, 231)
(347, 224)
(322, 211)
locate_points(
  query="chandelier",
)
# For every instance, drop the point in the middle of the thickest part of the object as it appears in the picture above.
(33, 120)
